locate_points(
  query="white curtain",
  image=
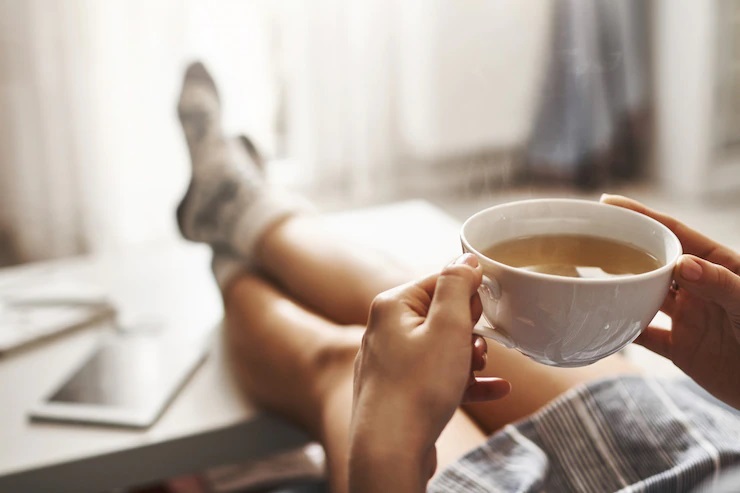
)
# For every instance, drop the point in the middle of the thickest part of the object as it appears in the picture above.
(91, 156)
(41, 62)
(337, 77)
(376, 86)
(342, 93)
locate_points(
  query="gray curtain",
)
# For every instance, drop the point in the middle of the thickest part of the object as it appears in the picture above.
(593, 114)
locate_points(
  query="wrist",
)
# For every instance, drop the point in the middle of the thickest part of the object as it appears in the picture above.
(377, 465)
(386, 418)
(391, 448)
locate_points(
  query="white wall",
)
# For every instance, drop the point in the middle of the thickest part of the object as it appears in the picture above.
(684, 81)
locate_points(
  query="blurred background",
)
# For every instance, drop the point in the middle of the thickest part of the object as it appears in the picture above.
(355, 103)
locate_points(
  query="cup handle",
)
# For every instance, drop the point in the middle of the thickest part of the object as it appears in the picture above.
(491, 290)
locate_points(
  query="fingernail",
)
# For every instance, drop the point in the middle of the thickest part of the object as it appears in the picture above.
(604, 196)
(467, 258)
(690, 269)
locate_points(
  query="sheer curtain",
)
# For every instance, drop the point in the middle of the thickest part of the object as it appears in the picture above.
(342, 94)
(377, 87)
(91, 156)
(337, 80)
(41, 57)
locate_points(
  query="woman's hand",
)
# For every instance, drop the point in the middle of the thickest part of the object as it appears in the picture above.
(413, 370)
(704, 340)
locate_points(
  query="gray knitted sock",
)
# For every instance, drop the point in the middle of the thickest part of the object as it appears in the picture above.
(228, 205)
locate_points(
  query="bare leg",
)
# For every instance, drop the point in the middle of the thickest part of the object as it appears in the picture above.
(299, 365)
(340, 281)
(324, 271)
(287, 358)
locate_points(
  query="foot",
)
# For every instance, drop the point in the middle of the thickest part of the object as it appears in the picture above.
(199, 108)
(227, 204)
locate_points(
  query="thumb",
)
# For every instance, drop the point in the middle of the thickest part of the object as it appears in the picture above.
(709, 281)
(456, 285)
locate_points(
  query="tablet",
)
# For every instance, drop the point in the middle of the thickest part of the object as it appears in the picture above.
(127, 381)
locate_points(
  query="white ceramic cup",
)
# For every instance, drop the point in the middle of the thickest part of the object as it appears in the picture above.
(568, 321)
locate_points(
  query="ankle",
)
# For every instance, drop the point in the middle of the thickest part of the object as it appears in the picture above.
(270, 238)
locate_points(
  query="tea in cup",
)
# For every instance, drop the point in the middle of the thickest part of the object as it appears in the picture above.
(568, 282)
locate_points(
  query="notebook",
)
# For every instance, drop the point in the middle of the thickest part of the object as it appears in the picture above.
(39, 310)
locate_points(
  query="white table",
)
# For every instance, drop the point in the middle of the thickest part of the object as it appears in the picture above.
(210, 422)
